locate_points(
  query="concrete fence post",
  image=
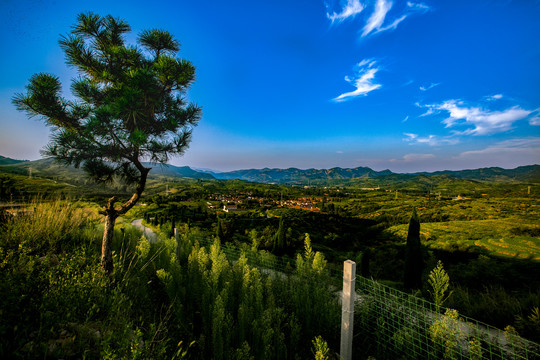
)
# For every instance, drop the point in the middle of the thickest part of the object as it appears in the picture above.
(347, 307)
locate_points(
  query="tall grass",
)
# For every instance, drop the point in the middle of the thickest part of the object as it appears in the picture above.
(164, 300)
(57, 303)
(44, 227)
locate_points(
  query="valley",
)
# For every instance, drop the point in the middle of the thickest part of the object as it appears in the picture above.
(486, 231)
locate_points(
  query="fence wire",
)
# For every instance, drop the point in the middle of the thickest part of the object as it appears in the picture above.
(392, 324)
(407, 327)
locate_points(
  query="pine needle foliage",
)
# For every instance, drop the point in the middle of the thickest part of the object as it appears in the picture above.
(130, 106)
(439, 281)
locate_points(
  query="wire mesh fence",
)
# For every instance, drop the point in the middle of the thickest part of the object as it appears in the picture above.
(407, 327)
(392, 324)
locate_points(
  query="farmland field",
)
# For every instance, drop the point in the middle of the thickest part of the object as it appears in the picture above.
(502, 237)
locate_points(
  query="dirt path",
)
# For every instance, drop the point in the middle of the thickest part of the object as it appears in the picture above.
(147, 232)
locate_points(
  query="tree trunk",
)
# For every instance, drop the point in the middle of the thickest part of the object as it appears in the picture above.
(108, 233)
(110, 218)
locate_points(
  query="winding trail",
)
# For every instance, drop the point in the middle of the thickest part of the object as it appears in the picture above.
(147, 232)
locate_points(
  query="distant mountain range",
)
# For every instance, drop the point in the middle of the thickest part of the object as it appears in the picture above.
(529, 173)
(177, 171)
(294, 175)
(49, 168)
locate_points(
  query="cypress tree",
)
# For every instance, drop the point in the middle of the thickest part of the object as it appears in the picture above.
(219, 230)
(414, 262)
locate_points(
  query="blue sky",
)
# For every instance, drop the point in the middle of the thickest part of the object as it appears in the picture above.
(404, 85)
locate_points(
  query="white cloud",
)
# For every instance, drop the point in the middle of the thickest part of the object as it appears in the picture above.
(430, 86)
(362, 81)
(535, 120)
(350, 10)
(375, 23)
(484, 122)
(431, 140)
(522, 150)
(406, 118)
(409, 158)
(416, 157)
(393, 25)
(376, 19)
(418, 6)
(430, 109)
(410, 137)
(494, 97)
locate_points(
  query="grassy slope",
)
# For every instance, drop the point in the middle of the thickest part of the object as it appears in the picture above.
(498, 237)
(57, 303)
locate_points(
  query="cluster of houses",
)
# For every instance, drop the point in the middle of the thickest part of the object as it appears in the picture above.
(301, 203)
(233, 202)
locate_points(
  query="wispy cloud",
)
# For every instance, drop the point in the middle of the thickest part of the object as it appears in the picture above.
(431, 140)
(535, 120)
(406, 118)
(429, 87)
(430, 109)
(350, 10)
(413, 158)
(494, 97)
(376, 19)
(418, 6)
(524, 149)
(393, 25)
(483, 121)
(362, 80)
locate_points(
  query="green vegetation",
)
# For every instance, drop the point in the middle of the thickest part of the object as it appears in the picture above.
(487, 238)
(490, 281)
(130, 106)
(511, 237)
(439, 281)
(160, 302)
(414, 261)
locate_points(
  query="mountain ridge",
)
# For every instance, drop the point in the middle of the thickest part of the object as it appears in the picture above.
(292, 175)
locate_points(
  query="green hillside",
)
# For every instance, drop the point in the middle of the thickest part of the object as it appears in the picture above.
(7, 161)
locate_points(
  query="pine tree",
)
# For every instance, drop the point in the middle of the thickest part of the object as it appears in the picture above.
(130, 107)
(414, 262)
